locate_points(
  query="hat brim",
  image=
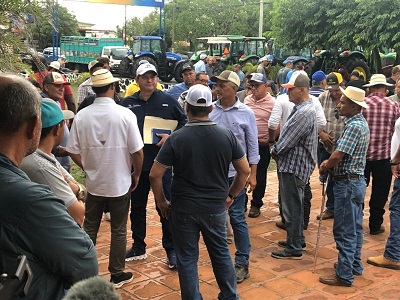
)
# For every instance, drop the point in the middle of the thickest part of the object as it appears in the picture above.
(68, 114)
(215, 78)
(360, 103)
(58, 83)
(147, 72)
(259, 81)
(377, 83)
(99, 64)
(333, 87)
(103, 83)
(288, 86)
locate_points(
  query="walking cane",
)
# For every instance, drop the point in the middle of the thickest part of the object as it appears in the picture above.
(324, 185)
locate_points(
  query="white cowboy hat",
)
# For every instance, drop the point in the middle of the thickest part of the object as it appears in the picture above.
(356, 95)
(377, 79)
(102, 77)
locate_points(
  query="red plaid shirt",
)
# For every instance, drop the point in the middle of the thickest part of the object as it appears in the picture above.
(381, 117)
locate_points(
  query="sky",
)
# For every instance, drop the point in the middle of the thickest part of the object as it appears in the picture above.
(104, 16)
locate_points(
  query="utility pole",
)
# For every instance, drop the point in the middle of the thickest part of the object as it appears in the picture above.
(260, 25)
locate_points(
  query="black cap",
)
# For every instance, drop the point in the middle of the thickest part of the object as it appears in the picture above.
(187, 67)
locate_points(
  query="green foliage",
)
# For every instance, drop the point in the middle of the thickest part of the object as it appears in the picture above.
(42, 28)
(13, 30)
(333, 24)
(81, 78)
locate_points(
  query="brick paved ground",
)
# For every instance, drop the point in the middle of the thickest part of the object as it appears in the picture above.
(269, 278)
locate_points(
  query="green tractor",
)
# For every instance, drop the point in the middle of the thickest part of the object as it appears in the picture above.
(232, 49)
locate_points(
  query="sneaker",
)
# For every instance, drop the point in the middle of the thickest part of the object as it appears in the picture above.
(107, 216)
(280, 254)
(120, 280)
(280, 225)
(284, 244)
(326, 215)
(254, 211)
(383, 262)
(131, 255)
(242, 272)
(171, 259)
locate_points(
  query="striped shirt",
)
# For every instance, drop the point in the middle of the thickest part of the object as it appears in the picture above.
(353, 142)
(381, 117)
(297, 144)
(333, 126)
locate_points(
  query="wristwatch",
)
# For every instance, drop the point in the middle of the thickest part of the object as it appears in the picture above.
(80, 195)
(231, 196)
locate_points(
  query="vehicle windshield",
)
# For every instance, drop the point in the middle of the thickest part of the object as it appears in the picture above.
(255, 48)
(119, 53)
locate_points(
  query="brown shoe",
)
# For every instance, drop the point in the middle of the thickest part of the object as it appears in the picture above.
(280, 225)
(333, 280)
(383, 262)
(326, 215)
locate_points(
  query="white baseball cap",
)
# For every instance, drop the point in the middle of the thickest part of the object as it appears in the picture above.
(199, 95)
(144, 68)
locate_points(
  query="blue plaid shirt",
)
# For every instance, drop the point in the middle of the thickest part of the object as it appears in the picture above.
(297, 144)
(353, 141)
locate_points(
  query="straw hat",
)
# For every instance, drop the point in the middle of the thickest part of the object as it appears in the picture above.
(102, 77)
(356, 95)
(377, 79)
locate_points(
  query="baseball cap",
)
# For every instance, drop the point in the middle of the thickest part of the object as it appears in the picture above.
(227, 76)
(55, 78)
(333, 80)
(203, 56)
(102, 77)
(199, 95)
(55, 65)
(52, 113)
(144, 68)
(187, 67)
(257, 77)
(298, 79)
(93, 64)
(318, 76)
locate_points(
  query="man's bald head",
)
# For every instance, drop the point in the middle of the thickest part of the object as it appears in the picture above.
(19, 103)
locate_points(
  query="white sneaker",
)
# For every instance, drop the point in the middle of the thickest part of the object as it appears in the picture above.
(107, 216)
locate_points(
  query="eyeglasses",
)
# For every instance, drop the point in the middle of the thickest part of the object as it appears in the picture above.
(254, 86)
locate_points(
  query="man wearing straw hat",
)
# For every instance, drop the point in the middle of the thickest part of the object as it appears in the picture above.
(381, 118)
(348, 162)
(105, 142)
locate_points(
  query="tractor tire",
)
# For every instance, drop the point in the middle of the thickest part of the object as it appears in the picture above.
(168, 78)
(178, 73)
(138, 61)
(359, 65)
(125, 68)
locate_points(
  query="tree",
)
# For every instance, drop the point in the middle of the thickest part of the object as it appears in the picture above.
(42, 27)
(14, 15)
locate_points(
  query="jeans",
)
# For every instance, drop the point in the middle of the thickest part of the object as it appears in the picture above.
(240, 229)
(261, 176)
(119, 207)
(186, 233)
(291, 189)
(381, 181)
(392, 249)
(330, 202)
(347, 226)
(139, 199)
(306, 205)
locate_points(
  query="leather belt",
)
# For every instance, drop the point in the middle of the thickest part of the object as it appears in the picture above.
(347, 177)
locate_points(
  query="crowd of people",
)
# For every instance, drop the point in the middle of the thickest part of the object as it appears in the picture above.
(203, 147)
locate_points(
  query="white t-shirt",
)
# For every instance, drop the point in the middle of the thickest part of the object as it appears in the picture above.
(395, 139)
(105, 134)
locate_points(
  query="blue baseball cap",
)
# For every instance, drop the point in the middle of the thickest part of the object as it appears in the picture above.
(52, 113)
(257, 77)
(318, 76)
